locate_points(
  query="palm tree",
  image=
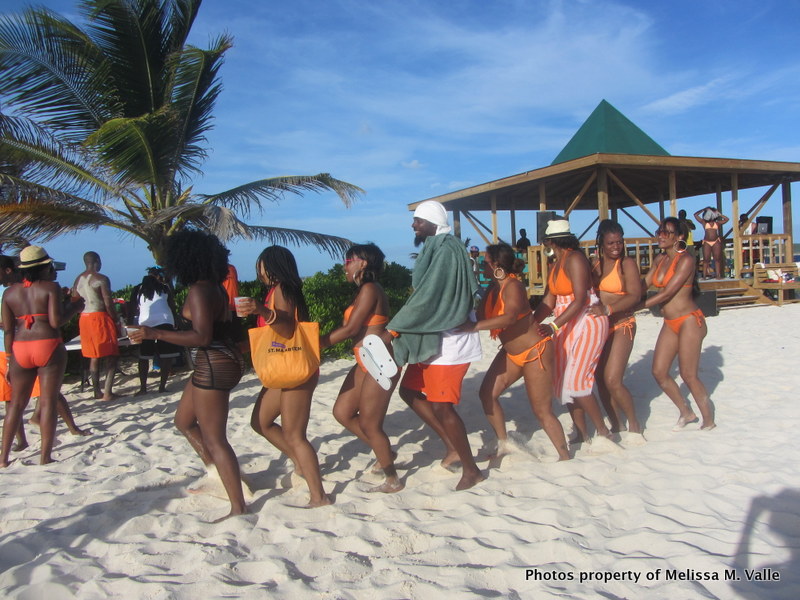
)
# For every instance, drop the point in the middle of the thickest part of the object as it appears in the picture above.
(108, 127)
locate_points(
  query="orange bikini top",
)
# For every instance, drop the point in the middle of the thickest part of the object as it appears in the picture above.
(494, 306)
(560, 285)
(29, 320)
(662, 283)
(612, 283)
(711, 225)
(373, 320)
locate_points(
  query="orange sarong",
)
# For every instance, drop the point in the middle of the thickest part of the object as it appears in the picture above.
(5, 389)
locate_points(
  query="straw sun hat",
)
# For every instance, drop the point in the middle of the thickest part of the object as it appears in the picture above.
(33, 256)
(557, 228)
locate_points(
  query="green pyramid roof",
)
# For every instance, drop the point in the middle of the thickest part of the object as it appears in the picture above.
(608, 131)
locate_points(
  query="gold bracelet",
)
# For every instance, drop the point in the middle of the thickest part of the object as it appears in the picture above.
(554, 326)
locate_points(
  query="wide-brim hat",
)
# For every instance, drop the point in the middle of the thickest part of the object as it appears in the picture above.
(33, 256)
(557, 228)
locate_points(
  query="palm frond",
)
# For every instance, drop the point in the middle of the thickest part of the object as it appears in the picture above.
(42, 219)
(138, 150)
(194, 93)
(50, 70)
(334, 246)
(48, 161)
(243, 198)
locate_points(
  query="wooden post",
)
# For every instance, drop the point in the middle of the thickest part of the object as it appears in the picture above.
(673, 194)
(542, 196)
(513, 237)
(494, 218)
(602, 193)
(719, 201)
(737, 235)
(457, 223)
(786, 193)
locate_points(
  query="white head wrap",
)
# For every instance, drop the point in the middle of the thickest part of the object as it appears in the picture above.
(433, 211)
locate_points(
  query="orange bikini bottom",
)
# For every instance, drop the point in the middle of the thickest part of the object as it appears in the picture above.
(530, 355)
(675, 324)
(626, 325)
(31, 354)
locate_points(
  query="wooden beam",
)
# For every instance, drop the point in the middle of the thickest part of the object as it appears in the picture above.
(755, 209)
(786, 193)
(632, 196)
(737, 234)
(542, 196)
(476, 227)
(673, 194)
(585, 187)
(642, 227)
(602, 193)
(513, 225)
(457, 223)
(494, 218)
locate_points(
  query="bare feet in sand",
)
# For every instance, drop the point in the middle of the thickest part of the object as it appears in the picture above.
(233, 513)
(388, 487)
(685, 420)
(142, 392)
(450, 460)
(20, 446)
(376, 468)
(469, 480)
(324, 501)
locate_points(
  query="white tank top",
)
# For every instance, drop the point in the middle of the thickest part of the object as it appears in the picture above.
(155, 311)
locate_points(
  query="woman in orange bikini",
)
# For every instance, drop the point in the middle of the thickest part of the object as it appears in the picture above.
(713, 244)
(283, 306)
(362, 404)
(506, 313)
(32, 314)
(616, 278)
(579, 335)
(673, 275)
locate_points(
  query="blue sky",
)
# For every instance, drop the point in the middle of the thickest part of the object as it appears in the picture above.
(416, 98)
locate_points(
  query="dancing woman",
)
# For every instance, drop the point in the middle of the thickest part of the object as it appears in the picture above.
(616, 278)
(506, 313)
(32, 315)
(362, 404)
(199, 261)
(673, 275)
(579, 335)
(284, 304)
(713, 244)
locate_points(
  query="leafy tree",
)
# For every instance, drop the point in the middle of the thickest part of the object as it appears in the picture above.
(104, 126)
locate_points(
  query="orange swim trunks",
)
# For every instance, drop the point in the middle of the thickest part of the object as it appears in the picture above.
(98, 335)
(439, 383)
(5, 389)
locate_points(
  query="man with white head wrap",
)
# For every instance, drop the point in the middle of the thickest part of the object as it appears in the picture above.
(427, 336)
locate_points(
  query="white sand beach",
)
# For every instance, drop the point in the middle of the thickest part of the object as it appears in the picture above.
(671, 518)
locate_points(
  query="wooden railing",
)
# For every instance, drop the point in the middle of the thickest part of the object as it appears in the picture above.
(764, 248)
(767, 249)
(642, 250)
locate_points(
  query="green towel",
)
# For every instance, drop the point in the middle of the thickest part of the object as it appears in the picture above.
(444, 285)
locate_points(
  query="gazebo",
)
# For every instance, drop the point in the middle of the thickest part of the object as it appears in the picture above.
(611, 165)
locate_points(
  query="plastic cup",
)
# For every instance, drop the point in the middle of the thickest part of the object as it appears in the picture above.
(128, 331)
(240, 300)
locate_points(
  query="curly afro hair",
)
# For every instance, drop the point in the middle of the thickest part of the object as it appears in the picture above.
(193, 256)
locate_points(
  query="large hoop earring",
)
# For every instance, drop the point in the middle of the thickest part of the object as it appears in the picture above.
(680, 246)
(502, 272)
